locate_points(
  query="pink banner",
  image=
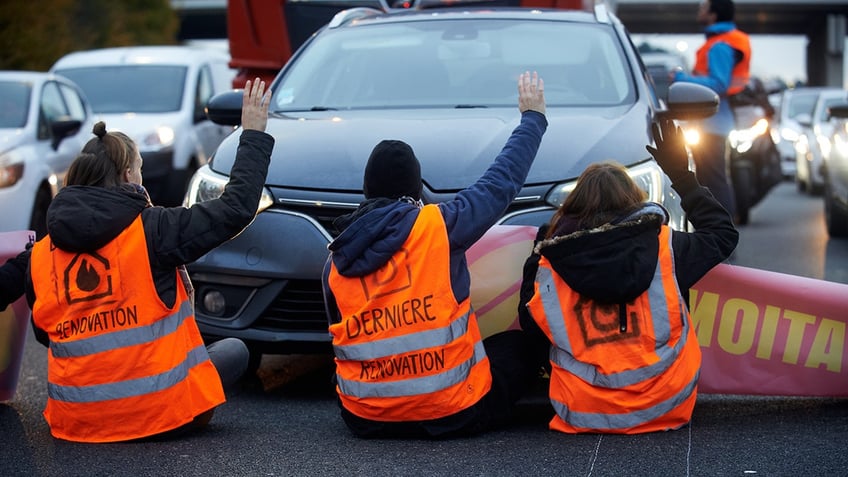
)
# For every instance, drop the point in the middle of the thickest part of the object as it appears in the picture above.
(760, 332)
(14, 320)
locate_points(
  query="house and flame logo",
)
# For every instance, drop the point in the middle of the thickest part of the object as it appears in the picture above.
(87, 277)
(600, 323)
(390, 278)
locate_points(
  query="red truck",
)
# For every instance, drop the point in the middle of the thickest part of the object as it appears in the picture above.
(263, 34)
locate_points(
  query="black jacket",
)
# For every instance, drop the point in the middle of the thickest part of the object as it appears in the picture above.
(616, 263)
(12, 279)
(84, 219)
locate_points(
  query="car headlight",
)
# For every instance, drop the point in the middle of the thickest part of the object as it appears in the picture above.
(647, 175)
(207, 184)
(11, 169)
(163, 136)
(789, 134)
(824, 145)
(743, 139)
(651, 179)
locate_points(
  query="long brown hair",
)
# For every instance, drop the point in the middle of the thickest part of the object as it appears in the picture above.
(604, 192)
(103, 159)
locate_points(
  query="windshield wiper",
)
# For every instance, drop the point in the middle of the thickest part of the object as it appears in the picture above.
(470, 106)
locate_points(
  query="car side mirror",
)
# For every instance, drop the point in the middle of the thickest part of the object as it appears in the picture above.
(687, 101)
(805, 120)
(839, 111)
(63, 128)
(225, 108)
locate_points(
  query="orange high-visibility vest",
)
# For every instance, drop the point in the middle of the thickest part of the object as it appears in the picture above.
(405, 349)
(121, 365)
(614, 373)
(741, 71)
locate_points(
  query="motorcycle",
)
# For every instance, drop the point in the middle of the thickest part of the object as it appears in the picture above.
(753, 158)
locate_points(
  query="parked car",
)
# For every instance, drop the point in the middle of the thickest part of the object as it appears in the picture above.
(156, 95)
(813, 142)
(835, 172)
(443, 81)
(45, 121)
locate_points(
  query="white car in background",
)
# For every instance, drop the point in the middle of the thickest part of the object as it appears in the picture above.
(156, 95)
(813, 142)
(45, 121)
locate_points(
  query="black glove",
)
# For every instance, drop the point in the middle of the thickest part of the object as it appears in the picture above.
(670, 152)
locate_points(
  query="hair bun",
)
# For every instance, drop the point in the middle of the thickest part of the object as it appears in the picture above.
(99, 129)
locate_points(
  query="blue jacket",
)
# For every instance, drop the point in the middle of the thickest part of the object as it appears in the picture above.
(721, 62)
(377, 229)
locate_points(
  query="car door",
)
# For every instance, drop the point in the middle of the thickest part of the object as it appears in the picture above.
(58, 102)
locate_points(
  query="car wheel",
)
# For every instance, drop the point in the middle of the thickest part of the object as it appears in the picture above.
(38, 219)
(742, 186)
(835, 216)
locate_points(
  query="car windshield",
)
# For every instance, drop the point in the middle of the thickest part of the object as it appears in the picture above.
(801, 103)
(455, 63)
(14, 102)
(131, 88)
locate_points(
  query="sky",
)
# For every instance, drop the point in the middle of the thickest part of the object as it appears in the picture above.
(772, 56)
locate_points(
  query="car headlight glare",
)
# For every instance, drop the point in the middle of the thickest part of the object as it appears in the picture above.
(10, 174)
(650, 178)
(206, 185)
(163, 136)
(743, 139)
(647, 175)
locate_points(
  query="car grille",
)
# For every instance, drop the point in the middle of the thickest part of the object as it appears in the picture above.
(298, 307)
(323, 214)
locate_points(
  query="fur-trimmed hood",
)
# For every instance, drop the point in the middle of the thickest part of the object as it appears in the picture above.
(613, 263)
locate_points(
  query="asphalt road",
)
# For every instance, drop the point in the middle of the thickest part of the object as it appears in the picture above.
(285, 422)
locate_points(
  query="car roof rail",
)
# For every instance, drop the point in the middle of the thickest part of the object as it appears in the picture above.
(350, 14)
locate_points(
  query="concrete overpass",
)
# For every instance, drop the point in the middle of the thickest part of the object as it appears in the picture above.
(822, 22)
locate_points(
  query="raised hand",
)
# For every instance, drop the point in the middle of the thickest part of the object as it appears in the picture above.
(254, 109)
(670, 152)
(531, 92)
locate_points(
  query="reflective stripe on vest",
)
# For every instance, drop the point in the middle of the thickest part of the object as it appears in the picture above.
(606, 379)
(130, 388)
(414, 386)
(590, 420)
(740, 74)
(405, 349)
(121, 364)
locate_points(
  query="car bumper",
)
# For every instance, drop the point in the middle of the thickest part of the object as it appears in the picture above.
(269, 278)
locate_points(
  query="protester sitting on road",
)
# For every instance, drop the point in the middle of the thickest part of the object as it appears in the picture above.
(410, 361)
(110, 296)
(605, 292)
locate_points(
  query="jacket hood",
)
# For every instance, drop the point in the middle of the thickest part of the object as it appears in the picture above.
(611, 263)
(371, 235)
(84, 219)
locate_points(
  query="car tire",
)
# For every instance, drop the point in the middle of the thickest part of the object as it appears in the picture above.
(742, 185)
(835, 216)
(38, 219)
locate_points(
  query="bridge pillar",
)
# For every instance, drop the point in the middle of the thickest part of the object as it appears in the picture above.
(826, 52)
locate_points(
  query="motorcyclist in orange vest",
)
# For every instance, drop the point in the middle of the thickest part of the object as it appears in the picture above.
(111, 299)
(410, 361)
(605, 291)
(722, 64)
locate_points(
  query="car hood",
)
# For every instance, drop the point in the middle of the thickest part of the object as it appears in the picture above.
(328, 150)
(11, 138)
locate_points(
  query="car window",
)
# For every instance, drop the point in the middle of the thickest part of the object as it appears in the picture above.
(801, 103)
(53, 108)
(131, 88)
(14, 103)
(824, 113)
(205, 90)
(76, 109)
(455, 63)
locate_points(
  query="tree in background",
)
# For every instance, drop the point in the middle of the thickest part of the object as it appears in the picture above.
(35, 34)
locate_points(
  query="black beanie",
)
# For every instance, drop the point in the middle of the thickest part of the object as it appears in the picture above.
(392, 171)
